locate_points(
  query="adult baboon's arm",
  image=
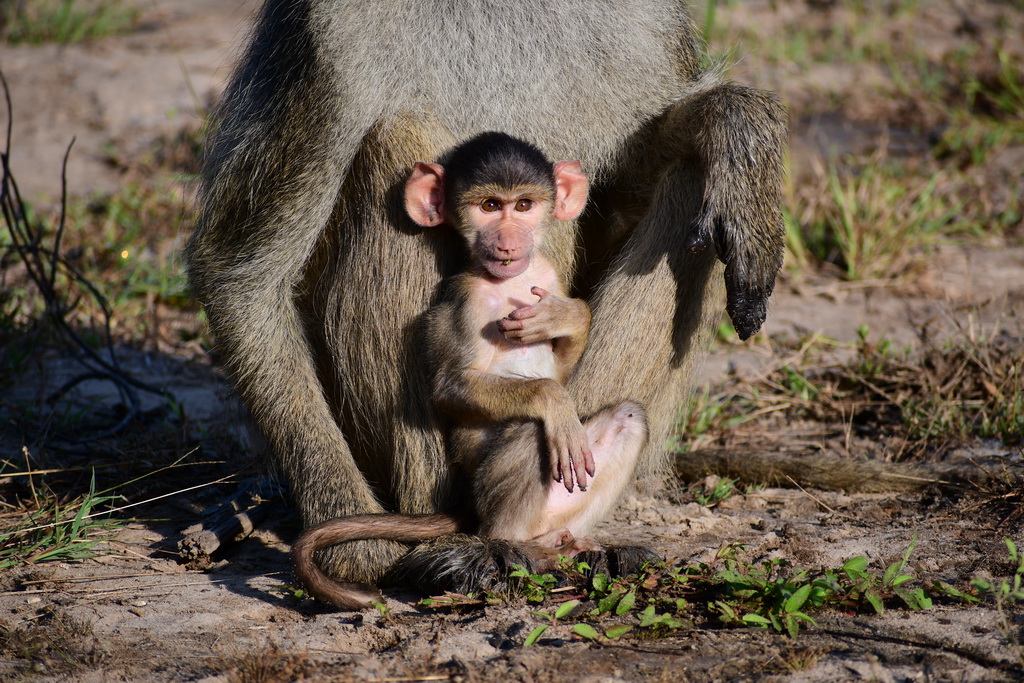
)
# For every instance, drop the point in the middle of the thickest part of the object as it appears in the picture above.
(738, 136)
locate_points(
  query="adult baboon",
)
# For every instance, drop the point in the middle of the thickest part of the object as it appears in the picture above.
(314, 281)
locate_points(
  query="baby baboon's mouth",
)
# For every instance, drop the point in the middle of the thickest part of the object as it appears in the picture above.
(504, 269)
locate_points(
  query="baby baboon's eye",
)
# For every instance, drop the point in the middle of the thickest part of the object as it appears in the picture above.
(490, 205)
(524, 205)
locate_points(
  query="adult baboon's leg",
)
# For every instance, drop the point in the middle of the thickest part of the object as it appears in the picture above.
(715, 164)
(650, 315)
(271, 186)
(738, 135)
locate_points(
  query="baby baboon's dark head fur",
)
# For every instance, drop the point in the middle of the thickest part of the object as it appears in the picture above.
(499, 161)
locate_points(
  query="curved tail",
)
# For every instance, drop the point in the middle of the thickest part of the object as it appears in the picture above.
(395, 527)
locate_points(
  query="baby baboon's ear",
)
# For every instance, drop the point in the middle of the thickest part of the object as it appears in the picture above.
(571, 187)
(424, 195)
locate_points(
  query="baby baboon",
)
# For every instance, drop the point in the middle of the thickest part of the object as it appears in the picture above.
(502, 343)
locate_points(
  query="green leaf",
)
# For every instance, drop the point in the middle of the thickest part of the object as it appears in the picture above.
(982, 584)
(649, 619)
(855, 566)
(600, 582)
(910, 549)
(893, 571)
(534, 635)
(726, 610)
(915, 599)
(586, 630)
(626, 603)
(792, 627)
(543, 580)
(954, 593)
(797, 600)
(874, 601)
(756, 620)
(565, 608)
(901, 579)
(608, 602)
(668, 622)
(1011, 547)
(821, 592)
(617, 631)
(803, 617)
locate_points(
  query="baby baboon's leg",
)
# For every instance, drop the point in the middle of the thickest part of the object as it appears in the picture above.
(517, 498)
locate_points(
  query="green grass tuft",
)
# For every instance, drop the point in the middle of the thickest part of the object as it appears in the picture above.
(59, 531)
(63, 21)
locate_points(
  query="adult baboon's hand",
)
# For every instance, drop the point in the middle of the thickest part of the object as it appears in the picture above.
(752, 259)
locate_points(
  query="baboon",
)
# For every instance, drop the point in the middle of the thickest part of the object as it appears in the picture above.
(497, 357)
(315, 282)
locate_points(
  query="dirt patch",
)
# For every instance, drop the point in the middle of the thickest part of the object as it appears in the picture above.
(117, 97)
(146, 618)
(135, 613)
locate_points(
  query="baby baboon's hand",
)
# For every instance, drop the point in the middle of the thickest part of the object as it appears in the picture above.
(553, 317)
(569, 453)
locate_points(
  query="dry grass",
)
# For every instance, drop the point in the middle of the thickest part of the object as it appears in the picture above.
(52, 643)
(920, 401)
(1000, 497)
(267, 664)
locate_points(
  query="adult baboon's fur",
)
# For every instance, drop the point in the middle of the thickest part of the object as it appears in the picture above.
(314, 281)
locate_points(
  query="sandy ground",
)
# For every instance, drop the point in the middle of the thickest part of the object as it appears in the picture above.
(152, 619)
